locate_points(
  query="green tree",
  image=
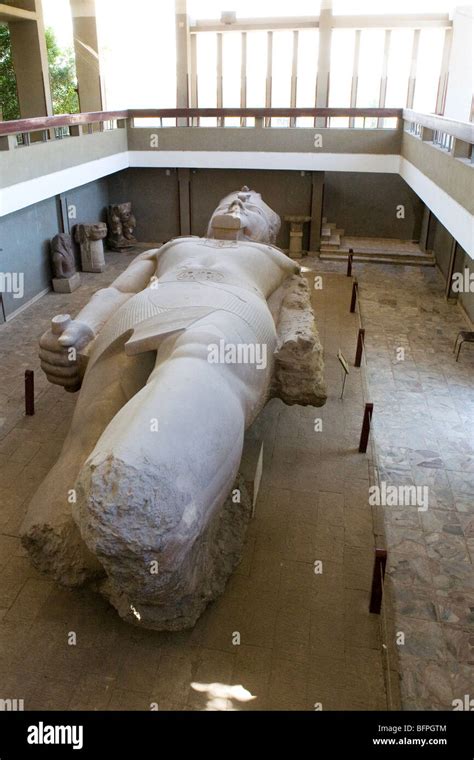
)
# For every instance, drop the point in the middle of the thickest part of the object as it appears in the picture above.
(8, 94)
(62, 77)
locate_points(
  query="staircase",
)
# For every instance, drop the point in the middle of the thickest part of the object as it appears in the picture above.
(330, 237)
(335, 247)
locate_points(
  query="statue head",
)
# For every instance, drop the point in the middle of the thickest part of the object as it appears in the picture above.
(243, 215)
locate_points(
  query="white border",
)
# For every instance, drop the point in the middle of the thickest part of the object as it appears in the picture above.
(35, 190)
(457, 220)
(208, 159)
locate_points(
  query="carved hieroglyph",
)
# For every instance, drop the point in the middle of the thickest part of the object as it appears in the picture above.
(183, 350)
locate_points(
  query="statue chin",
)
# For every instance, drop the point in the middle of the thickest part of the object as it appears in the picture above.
(146, 502)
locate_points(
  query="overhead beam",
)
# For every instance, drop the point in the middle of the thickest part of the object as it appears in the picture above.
(10, 13)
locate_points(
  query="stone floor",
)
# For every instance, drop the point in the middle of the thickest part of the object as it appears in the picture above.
(307, 639)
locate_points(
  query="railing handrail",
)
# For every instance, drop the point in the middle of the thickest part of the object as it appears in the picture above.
(61, 120)
(463, 130)
(67, 120)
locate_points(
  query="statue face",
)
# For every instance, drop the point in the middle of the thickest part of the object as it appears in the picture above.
(254, 220)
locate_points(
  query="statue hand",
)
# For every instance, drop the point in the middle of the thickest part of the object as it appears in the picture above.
(60, 352)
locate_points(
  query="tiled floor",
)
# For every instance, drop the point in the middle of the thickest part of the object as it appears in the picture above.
(424, 432)
(423, 435)
(307, 639)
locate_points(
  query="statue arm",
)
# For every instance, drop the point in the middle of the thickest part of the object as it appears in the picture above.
(65, 367)
(105, 302)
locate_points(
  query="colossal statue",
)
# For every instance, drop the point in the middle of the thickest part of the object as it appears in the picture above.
(175, 361)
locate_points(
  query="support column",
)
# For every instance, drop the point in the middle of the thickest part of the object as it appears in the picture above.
(324, 59)
(184, 190)
(86, 49)
(355, 76)
(425, 228)
(30, 61)
(183, 58)
(413, 68)
(317, 185)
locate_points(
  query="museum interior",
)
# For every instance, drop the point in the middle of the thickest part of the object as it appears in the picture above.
(288, 524)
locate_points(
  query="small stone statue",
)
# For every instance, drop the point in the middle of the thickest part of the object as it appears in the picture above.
(90, 237)
(66, 278)
(121, 224)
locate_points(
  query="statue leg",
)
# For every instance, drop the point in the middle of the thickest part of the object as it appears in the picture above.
(49, 531)
(150, 495)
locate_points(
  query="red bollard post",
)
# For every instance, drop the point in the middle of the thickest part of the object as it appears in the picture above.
(349, 262)
(377, 581)
(29, 392)
(360, 346)
(354, 296)
(364, 436)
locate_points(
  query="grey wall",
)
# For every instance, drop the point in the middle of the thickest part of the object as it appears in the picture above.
(441, 243)
(25, 237)
(364, 204)
(24, 248)
(154, 197)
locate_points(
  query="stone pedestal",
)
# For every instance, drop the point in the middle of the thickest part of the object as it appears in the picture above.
(66, 284)
(296, 234)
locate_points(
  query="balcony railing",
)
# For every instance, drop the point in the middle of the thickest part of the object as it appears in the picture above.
(45, 128)
(454, 137)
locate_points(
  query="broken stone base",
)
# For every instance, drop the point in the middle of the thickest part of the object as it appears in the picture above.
(215, 558)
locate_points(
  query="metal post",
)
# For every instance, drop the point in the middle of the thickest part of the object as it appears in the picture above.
(29, 392)
(377, 581)
(360, 346)
(364, 435)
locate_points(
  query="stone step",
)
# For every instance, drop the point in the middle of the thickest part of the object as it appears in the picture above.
(330, 243)
(379, 257)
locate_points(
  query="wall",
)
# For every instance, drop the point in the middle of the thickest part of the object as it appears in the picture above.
(440, 241)
(25, 237)
(154, 197)
(24, 248)
(365, 205)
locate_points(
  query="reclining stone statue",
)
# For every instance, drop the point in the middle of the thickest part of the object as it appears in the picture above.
(174, 362)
